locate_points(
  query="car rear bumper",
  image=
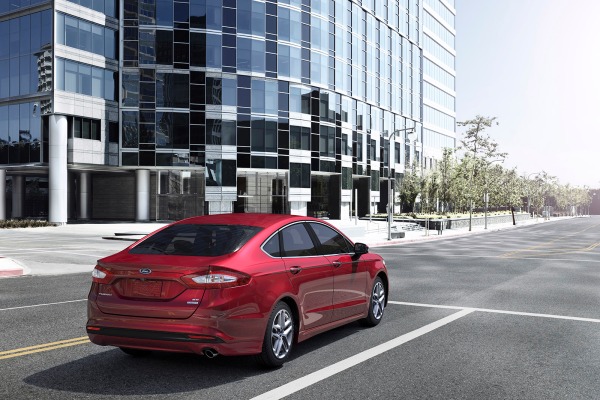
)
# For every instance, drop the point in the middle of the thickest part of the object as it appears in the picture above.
(227, 333)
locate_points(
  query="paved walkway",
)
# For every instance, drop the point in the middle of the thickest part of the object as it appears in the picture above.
(373, 233)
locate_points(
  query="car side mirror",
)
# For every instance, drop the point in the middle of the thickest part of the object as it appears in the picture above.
(360, 248)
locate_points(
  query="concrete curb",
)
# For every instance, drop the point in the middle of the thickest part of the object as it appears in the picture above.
(11, 268)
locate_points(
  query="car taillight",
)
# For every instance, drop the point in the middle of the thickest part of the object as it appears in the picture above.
(216, 278)
(101, 275)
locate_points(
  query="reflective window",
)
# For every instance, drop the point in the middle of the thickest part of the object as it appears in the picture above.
(297, 242)
(108, 7)
(85, 79)
(25, 46)
(299, 175)
(271, 247)
(331, 241)
(172, 90)
(129, 121)
(83, 35)
(20, 133)
(164, 12)
(220, 172)
(198, 240)
(220, 132)
(299, 137)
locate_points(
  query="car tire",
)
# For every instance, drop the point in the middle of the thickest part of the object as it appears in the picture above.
(135, 352)
(376, 304)
(279, 337)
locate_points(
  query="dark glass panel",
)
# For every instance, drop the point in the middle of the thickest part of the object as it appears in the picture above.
(181, 53)
(197, 49)
(198, 14)
(130, 129)
(181, 130)
(197, 134)
(129, 159)
(147, 47)
(147, 158)
(229, 17)
(164, 129)
(181, 90)
(229, 56)
(164, 47)
(181, 12)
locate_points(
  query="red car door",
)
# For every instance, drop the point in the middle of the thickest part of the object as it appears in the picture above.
(350, 277)
(311, 276)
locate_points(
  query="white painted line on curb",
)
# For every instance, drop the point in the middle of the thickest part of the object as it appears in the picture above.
(324, 373)
(41, 305)
(488, 310)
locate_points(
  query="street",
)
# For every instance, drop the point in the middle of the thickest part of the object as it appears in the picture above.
(509, 314)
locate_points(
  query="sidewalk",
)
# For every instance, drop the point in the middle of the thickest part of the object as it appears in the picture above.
(114, 236)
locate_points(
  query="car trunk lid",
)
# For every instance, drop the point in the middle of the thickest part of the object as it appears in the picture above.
(151, 286)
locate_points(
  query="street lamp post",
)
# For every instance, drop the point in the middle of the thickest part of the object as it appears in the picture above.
(529, 193)
(390, 193)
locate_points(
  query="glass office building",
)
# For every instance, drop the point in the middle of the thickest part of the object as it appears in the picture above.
(163, 109)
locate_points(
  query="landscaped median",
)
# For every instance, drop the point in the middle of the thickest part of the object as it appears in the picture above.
(453, 221)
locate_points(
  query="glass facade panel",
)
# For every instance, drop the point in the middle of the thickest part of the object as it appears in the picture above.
(326, 79)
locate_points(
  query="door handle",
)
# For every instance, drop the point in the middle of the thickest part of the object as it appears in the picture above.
(295, 270)
(337, 264)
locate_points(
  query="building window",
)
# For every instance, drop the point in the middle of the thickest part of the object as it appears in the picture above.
(299, 138)
(108, 7)
(85, 128)
(299, 175)
(327, 141)
(83, 35)
(84, 79)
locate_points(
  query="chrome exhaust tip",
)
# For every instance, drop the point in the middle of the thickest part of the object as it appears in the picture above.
(211, 353)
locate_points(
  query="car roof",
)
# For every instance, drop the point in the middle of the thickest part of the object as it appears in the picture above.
(249, 219)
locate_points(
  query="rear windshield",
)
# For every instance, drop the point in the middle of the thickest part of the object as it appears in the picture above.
(197, 240)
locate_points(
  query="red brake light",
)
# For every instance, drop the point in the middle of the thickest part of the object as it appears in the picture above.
(101, 275)
(216, 278)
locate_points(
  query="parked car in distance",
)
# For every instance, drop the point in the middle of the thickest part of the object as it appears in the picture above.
(234, 284)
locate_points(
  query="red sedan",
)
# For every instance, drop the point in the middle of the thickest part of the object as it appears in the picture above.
(234, 284)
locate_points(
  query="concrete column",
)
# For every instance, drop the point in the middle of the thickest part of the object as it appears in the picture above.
(57, 174)
(18, 195)
(85, 195)
(142, 183)
(2, 194)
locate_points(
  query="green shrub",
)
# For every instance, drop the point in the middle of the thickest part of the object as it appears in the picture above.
(24, 223)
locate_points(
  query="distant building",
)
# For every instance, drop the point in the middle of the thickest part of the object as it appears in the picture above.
(163, 109)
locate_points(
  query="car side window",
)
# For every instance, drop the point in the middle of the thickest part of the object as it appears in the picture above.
(271, 247)
(331, 241)
(297, 242)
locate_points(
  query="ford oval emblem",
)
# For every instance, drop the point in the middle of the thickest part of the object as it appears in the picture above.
(145, 271)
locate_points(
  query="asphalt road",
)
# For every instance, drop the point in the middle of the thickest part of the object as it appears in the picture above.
(512, 314)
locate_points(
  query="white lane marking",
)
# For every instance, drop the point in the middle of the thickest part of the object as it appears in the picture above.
(488, 310)
(317, 376)
(41, 305)
(25, 253)
(382, 253)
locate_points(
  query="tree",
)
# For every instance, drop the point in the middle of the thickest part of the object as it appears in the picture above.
(411, 186)
(444, 170)
(484, 152)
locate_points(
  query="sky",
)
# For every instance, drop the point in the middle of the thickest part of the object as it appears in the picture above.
(535, 65)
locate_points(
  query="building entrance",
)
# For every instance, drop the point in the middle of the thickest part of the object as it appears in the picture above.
(262, 192)
(180, 194)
